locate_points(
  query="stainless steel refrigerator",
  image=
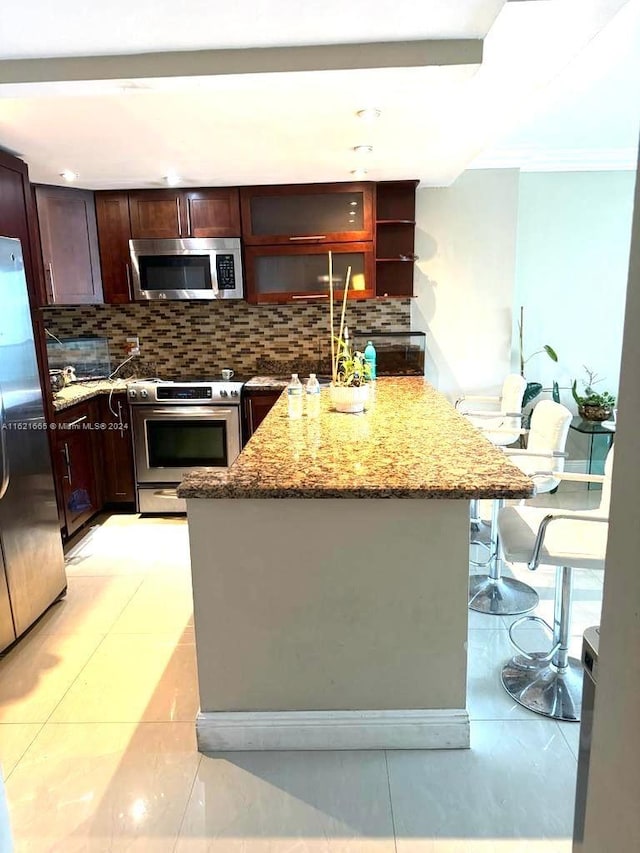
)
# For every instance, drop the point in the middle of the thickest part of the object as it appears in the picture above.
(32, 572)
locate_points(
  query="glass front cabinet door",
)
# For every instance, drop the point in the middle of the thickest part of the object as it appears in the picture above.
(297, 273)
(307, 214)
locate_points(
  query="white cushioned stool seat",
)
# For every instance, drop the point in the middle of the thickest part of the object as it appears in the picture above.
(568, 542)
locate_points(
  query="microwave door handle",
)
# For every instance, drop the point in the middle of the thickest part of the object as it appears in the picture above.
(4, 456)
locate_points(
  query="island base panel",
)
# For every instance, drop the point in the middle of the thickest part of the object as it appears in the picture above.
(330, 606)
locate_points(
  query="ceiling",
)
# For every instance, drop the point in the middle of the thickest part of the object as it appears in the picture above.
(118, 129)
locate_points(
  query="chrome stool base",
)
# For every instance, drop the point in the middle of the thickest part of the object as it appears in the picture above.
(544, 688)
(501, 596)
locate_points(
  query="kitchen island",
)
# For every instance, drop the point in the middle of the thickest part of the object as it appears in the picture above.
(330, 574)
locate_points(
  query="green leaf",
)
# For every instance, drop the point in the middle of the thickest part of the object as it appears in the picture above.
(574, 392)
(556, 392)
(531, 392)
(550, 352)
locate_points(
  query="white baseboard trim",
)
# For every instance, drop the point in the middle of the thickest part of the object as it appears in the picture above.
(219, 731)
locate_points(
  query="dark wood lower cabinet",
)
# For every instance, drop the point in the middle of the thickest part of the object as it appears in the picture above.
(258, 402)
(93, 459)
(75, 464)
(117, 451)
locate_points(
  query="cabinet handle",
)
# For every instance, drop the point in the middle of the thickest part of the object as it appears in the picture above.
(129, 290)
(67, 459)
(120, 421)
(311, 296)
(188, 209)
(310, 237)
(52, 281)
(179, 217)
(77, 421)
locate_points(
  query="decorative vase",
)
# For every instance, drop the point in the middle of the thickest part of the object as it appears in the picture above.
(595, 413)
(349, 398)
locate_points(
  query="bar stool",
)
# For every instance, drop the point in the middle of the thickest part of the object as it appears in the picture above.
(550, 683)
(503, 596)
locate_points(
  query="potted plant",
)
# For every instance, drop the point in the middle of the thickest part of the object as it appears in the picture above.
(349, 391)
(591, 405)
(533, 389)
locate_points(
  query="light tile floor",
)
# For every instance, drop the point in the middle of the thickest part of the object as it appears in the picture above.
(97, 744)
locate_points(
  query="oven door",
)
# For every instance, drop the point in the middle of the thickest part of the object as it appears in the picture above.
(170, 441)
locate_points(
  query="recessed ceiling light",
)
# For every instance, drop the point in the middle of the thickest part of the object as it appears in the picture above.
(369, 114)
(359, 173)
(363, 149)
(353, 203)
(68, 175)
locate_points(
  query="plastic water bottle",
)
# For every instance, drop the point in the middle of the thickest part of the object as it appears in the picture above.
(370, 358)
(313, 396)
(294, 397)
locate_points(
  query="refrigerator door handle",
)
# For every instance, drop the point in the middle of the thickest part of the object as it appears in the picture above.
(4, 456)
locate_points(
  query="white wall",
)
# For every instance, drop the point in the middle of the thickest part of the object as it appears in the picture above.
(572, 262)
(466, 242)
(556, 242)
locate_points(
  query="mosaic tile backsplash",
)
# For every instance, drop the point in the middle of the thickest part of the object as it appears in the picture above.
(192, 338)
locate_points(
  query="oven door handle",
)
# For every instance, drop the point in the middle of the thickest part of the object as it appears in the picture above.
(211, 412)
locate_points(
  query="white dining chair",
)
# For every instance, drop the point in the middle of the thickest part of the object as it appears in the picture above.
(500, 421)
(550, 682)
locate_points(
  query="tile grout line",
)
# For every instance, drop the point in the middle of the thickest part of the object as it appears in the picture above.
(566, 739)
(86, 663)
(186, 805)
(27, 747)
(393, 818)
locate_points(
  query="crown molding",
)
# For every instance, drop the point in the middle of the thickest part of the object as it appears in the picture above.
(559, 160)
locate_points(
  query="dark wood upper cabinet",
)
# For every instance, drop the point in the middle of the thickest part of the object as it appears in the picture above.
(395, 237)
(114, 232)
(300, 273)
(304, 214)
(158, 214)
(155, 214)
(212, 213)
(17, 219)
(69, 242)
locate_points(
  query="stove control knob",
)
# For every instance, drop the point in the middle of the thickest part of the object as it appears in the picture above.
(144, 394)
(132, 393)
(234, 393)
(224, 393)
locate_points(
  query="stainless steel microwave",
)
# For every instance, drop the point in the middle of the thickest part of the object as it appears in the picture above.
(191, 268)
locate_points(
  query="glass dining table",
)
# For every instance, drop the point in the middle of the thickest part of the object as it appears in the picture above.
(600, 435)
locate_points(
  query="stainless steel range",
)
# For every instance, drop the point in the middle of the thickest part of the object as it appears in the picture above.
(179, 427)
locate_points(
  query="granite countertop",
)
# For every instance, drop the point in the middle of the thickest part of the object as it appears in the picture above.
(411, 443)
(267, 383)
(82, 391)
